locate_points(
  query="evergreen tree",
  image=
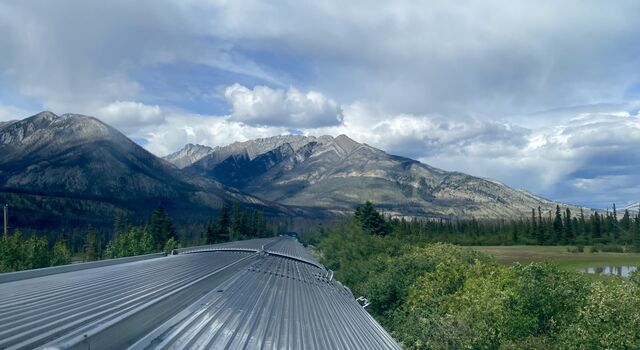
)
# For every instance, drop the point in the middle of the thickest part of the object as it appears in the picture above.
(161, 227)
(615, 228)
(625, 223)
(569, 237)
(92, 246)
(371, 220)
(557, 227)
(541, 235)
(245, 225)
(235, 227)
(636, 235)
(218, 229)
(120, 222)
(533, 228)
(596, 226)
(583, 227)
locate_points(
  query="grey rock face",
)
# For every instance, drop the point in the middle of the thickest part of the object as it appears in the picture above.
(339, 173)
(188, 155)
(80, 157)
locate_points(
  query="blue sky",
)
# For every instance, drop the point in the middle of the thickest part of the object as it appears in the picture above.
(543, 95)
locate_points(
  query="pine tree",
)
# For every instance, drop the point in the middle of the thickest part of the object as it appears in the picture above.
(625, 223)
(614, 224)
(557, 226)
(533, 227)
(541, 235)
(235, 226)
(218, 229)
(636, 235)
(371, 220)
(120, 222)
(596, 226)
(92, 246)
(569, 237)
(161, 227)
(583, 227)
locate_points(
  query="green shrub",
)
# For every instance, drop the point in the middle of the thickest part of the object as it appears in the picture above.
(635, 277)
(610, 248)
(608, 319)
(576, 249)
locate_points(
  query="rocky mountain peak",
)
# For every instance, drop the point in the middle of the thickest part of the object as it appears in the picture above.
(47, 128)
(189, 154)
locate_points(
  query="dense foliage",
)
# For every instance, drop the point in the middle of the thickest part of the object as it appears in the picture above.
(441, 296)
(157, 235)
(21, 253)
(236, 225)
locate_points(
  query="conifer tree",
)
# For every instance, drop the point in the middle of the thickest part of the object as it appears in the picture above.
(160, 227)
(557, 226)
(120, 222)
(596, 226)
(92, 246)
(583, 227)
(371, 220)
(218, 229)
(569, 237)
(615, 228)
(625, 223)
(636, 234)
(534, 228)
(235, 226)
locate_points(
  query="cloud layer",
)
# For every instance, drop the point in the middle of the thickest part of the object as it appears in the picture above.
(541, 95)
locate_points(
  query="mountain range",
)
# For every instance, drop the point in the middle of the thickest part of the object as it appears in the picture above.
(73, 169)
(339, 173)
(76, 167)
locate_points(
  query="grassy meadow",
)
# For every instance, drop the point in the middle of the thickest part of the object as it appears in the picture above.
(558, 255)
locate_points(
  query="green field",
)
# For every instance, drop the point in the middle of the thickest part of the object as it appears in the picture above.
(558, 255)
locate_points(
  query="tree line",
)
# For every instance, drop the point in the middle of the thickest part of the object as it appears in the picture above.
(19, 252)
(441, 296)
(561, 227)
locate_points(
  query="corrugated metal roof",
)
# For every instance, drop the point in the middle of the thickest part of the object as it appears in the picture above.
(213, 299)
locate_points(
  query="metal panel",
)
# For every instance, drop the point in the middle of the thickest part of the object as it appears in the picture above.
(215, 299)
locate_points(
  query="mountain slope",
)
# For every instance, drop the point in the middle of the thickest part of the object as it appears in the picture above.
(79, 157)
(339, 173)
(188, 155)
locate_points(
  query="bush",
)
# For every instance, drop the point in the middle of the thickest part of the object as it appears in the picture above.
(511, 304)
(576, 249)
(607, 320)
(612, 248)
(171, 245)
(18, 253)
(635, 277)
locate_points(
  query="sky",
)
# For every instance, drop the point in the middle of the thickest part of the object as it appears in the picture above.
(540, 95)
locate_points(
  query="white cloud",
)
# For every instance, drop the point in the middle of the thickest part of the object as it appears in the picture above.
(276, 107)
(8, 112)
(129, 116)
(181, 128)
(455, 84)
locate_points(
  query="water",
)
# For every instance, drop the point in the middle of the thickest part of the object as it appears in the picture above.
(623, 271)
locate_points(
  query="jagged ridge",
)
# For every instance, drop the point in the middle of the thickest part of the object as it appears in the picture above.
(339, 173)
